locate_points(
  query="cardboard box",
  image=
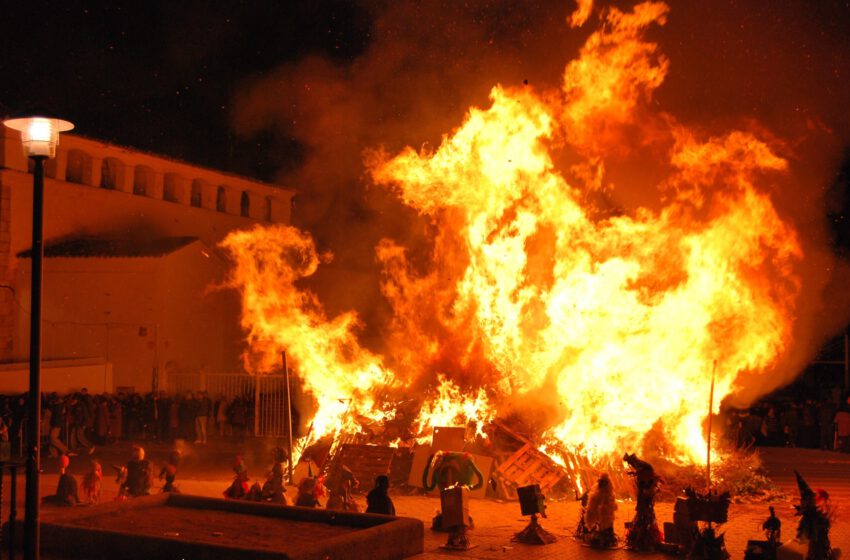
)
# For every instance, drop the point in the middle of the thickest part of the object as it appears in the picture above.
(454, 503)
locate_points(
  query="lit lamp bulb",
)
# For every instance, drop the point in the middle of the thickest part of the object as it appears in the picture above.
(39, 135)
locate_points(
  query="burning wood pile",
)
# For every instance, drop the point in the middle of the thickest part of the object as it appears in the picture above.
(506, 459)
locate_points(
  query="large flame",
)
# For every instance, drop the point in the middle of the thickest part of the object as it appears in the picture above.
(600, 326)
(342, 378)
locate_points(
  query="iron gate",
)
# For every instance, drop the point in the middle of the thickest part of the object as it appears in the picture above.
(266, 392)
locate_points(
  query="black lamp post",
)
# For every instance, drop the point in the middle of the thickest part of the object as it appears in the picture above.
(39, 136)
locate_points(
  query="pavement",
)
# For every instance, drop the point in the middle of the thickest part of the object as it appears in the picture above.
(206, 471)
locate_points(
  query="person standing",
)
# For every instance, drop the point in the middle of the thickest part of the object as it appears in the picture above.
(116, 418)
(842, 428)
(57, 422)
(791, 422)
(238, 418)
(826, 423)
(188, 411)
(174, 418)
(221, 417)
(204, 407)
(163, 416)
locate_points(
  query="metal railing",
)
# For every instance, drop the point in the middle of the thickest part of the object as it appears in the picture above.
(268, 393)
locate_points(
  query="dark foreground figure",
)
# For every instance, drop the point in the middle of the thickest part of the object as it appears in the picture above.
(642, 533)
(378, 499)
(66, 490)
(815, 513)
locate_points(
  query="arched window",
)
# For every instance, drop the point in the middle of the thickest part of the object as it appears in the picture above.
(245, 205)
(267, 215)
(78, 169)
(197, 190)
(143, 180)
(171, 187)
(110, 173)
(221, 199)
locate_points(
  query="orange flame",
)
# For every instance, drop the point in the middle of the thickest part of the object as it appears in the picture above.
(581, 13)
(620, 317)
(451, 407)
(280, 317)
(535, 302)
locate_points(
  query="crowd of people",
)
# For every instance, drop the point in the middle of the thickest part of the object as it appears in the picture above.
(806, 423)
(80, 420)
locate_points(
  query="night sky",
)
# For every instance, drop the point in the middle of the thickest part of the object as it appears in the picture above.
(160, 76)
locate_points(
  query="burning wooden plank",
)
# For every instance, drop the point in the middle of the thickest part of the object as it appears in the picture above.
(366, 462)
(526, 467)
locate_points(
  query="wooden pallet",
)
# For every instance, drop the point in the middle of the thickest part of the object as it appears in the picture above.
(529, 466)
(366, 462)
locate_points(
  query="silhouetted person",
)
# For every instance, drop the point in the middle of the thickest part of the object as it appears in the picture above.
(66, 491)
(239, 488)
(238, 416)
(139, 475)
(826, 418)
(378, 499)
(188, 410)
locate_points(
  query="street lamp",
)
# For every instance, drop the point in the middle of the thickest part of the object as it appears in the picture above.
(39, 136)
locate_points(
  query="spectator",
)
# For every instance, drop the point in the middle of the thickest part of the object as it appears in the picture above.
(187, 412)
(57, 422)
(772, 431)
(750, 426)
(808, 426)
(222, 424)
(204, 407)
(135, 416)
(90, 405)
(150, 410)
(101, 419)
(78, 420)
(238, 417)
(116, 417)
(19, 412)
(174, 418)
(163, 416)
(826, 423)
(378, 499)
(791, 422)
(842, 428)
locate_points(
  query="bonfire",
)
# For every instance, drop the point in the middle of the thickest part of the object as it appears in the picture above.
(580, 330)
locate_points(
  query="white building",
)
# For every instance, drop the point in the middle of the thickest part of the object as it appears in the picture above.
(131, 265)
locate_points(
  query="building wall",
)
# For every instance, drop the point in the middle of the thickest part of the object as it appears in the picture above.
(140, 314)
(87, 208)
(8, 311)
(136, 313)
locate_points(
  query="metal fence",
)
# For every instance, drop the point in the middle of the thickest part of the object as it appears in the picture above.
(270, 406)
(267, 392)
(230, 385)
